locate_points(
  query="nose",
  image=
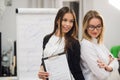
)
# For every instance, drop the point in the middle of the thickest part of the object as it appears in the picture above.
(95, 29)
(67, 23)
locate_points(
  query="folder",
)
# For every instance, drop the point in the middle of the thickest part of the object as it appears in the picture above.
(57, 67)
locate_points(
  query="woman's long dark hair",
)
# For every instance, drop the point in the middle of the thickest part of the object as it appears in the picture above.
(73, 33)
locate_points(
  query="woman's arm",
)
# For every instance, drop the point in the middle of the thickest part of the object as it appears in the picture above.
(42, 74)
(101, 64)
(113, 62)
(89, 55)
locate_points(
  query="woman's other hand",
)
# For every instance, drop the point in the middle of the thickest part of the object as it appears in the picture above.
(42, 74)
(110, 59)
(101, 64)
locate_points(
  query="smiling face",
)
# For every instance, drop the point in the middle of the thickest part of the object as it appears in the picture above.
(66, 23)
(94, 28)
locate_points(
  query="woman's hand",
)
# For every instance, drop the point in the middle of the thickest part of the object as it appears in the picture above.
(42, 74)
(101, 64)
(110, 59)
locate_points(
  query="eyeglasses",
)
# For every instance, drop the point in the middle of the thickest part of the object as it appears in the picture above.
(92, 27)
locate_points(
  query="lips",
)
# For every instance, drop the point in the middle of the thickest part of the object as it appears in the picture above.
(94, 33)
(66, 28)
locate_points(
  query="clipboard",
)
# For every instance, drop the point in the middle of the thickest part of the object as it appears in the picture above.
(57, 67)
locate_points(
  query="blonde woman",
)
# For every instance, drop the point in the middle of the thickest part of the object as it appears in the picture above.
(97, 62)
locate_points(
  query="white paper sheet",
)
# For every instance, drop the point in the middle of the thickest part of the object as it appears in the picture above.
(57, 67)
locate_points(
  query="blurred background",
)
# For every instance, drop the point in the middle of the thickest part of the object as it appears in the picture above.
(9, 69)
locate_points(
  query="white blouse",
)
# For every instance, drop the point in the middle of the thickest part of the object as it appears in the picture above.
(54, 46)
(90, 53)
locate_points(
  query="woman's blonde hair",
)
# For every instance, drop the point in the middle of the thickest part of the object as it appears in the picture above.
(90, 15)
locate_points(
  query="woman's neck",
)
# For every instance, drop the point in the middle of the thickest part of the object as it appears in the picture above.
(94, 40)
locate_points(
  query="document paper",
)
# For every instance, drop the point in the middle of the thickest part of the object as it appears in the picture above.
(57, 67)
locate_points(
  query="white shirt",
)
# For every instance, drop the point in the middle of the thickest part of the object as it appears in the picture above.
(54, 46)
(90, 53)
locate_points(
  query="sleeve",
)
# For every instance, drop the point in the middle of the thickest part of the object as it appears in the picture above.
(114, 64)
(88, 54)
(74, 61)
(43, 46)
(45, 40)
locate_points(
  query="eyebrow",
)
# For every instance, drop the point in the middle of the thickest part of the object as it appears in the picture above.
(67, 19)
(96, 25)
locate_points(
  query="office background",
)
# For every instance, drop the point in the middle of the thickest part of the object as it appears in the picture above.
(110, 14)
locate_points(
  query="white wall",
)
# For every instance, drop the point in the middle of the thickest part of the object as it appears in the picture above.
(111, 17)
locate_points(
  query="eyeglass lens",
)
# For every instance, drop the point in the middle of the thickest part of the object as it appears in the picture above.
(92, 27)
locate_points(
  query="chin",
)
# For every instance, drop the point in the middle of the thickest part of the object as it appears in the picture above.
(94, 36)
(65, 32)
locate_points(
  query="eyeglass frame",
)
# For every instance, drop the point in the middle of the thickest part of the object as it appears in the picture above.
(98, 27)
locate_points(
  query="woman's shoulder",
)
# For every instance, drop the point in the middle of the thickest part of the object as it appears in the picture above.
(86, 43)
(75, 41)
(46, 37)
